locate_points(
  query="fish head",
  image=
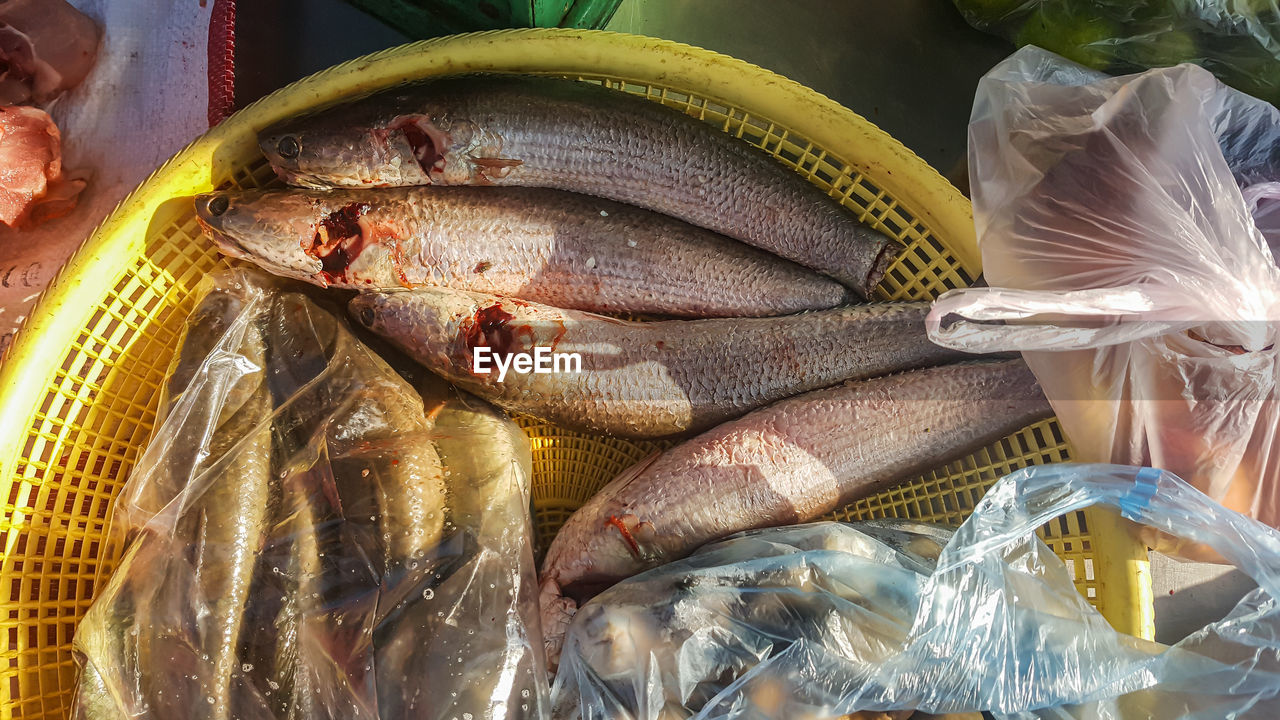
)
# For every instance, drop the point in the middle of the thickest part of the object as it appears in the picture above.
(418, 136)
(442, 327)
(378, 312)
(361, 144)
(420, 322)
(275, 230)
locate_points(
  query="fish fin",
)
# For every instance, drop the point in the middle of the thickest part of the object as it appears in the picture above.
(490, 169)
(489, 162)
(621, 524)
(626, 477)
(557, 612)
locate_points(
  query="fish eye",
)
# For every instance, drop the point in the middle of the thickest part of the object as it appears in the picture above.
(218, 205)
(288, 147)
(366, 317)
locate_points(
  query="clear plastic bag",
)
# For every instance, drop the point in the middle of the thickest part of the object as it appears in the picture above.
(668, 642)
(1124, 263)
(998, 626)
(307, 539)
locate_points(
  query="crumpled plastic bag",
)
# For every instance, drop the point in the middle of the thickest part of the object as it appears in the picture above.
(308, 539)
(998, 626)
(1125, 265)
(668, 642)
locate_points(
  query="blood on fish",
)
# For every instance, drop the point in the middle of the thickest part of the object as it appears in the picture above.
(491, 327)
(339, 240)
(555, 341)
(632, 545)
(397, 264)
(424, 147)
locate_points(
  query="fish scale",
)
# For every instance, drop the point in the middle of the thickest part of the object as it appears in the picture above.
(543, 245)
(651, 379)
(790, 462)
(585, 138)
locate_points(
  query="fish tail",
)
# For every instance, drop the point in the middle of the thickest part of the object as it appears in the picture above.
(889, 252)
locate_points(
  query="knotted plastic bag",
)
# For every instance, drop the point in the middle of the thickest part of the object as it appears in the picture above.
(785, 630)
(1123, 261)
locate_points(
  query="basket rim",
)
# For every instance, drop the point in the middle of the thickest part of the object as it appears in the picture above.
(74, 293)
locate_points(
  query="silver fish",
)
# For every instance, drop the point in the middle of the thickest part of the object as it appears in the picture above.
(470, 643)
(645, 379)
(570, 135)
(670, 642)
(554, 247)
(790, 462)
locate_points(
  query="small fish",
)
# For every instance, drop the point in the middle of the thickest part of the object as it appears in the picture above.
(645, 379)
(585, 138)
(227, 524)
(547, 246)
(216, 370)
(469, 643)
(93, 699)
(709, 632)
(377, 435)
(790, 462)
(361, 499)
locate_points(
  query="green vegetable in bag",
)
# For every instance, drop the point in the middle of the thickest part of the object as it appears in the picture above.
(1236, 40)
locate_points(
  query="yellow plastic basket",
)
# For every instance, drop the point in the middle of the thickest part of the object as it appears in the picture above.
(78, 390)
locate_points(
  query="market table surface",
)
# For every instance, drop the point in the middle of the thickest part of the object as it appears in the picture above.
(911, 71)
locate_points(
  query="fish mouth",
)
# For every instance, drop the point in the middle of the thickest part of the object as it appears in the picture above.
(209, 208)
(297, 178)
(226, 244)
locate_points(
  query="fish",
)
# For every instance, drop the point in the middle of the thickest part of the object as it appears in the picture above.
(362, 505)
(709, 632)
(643, 379)
(470, 643)
(377, 435)
(224, 523)
(546, 246)
(584, 138)
(790, 462)
(216, 369)
(227, 525)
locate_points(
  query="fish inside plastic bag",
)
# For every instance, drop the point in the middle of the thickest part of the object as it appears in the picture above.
(1124, 263)
(666, 643)
(307, 539)
(782, 629)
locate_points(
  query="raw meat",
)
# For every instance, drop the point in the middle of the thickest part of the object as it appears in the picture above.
(46, 48)
(32, 186)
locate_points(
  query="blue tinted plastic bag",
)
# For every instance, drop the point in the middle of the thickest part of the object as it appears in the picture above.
(997, 626)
